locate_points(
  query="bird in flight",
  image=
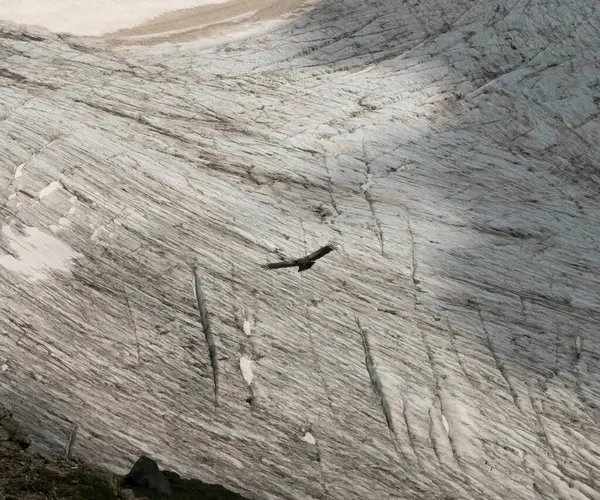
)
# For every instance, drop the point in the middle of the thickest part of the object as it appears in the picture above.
(305, 262)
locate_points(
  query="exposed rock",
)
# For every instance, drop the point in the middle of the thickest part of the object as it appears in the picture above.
(29, 476)
(146, 474)
(10, 430)
(192, 489)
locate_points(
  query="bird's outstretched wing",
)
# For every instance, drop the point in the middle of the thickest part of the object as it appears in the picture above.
(277, 265)
(321, 252)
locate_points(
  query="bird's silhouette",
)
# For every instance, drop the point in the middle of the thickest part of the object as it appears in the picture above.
(305, 262)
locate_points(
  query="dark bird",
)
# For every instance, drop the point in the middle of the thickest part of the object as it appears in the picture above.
(305, 262)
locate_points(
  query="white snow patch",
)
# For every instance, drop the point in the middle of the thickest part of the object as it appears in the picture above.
(309, 438)
(37, 252)
(49, 189)
(246, 368)
(19, 171)
(445, 422)
(12, 196)
(246, 328)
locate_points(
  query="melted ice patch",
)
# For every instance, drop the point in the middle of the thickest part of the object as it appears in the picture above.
(309, 438)
(19, 171)
(49, 189)
(37, 253)
(246, 369)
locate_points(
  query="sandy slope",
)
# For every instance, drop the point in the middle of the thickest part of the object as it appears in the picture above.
(450, 349)
(209, 21)
(148, 21)
(95, 17)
